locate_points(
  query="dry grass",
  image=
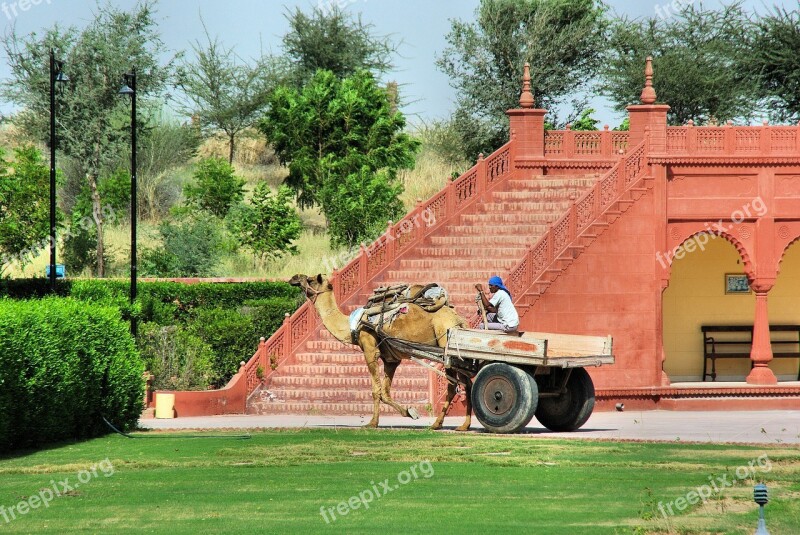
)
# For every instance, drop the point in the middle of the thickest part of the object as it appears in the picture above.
(316, 256)
(251, 149)
(430, 174)
(255, 163)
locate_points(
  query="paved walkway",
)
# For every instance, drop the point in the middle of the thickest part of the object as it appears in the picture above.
(764, 427)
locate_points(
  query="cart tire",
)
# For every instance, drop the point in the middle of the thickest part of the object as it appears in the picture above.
(570, 410)
(504, 397)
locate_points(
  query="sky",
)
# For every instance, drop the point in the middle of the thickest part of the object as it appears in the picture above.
(254, 25)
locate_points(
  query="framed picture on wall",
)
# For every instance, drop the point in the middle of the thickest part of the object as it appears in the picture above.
(736, 283)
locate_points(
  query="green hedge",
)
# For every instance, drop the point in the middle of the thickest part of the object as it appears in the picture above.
(63, 365)
(229, 319)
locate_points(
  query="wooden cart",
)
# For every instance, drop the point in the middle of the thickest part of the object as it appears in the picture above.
(517, 377)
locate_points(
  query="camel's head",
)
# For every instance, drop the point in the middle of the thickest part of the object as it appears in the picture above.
(312, 286)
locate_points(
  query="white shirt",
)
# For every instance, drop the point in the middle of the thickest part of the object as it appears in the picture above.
(506, 313)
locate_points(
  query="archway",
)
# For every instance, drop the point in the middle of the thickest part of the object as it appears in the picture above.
(783, 309)
(696, 295)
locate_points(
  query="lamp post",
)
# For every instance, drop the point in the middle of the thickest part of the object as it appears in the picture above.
(129, 88)
(761, 498)
(56, 75)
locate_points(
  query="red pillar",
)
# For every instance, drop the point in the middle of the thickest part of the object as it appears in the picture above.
(527, 127)
(761, 350)
(648, 116)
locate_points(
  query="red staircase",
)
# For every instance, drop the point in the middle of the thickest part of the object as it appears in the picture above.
(487, 238)
(488, 221)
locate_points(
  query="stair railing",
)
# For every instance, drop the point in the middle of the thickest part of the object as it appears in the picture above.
(580, 215)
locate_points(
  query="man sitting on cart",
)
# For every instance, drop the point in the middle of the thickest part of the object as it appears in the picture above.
(501, 314)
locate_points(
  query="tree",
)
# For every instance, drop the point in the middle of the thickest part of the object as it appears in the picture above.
(585, 121)
(191, 248)
(269, 224)
(563, 40)
(24, 206)
(334, 40)
(217, 188)
(223, 91)
(774, 59)
(338, 137)
(698, 59)
(93, 117)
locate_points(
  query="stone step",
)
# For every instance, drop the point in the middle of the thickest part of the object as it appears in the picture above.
(316, 408)
(424, 265)
(510, 218)
(505, 207)
(507, 251)
(343, 370)
(496, 230)
(541, 195)
(485, 241)
(329, 345)
(364, 395)
(446, 277)
(417, 383)
(547, 183)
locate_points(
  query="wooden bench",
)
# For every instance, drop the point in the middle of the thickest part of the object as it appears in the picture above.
(738, 345)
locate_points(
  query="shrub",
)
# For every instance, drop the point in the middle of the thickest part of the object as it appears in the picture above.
(177, 359)
(191, 248)
(269, 224)
(248, 310)
(229, 334)
(63, 366)
(217, 188)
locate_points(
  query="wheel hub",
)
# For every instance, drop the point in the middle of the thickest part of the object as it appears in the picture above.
(499, 395)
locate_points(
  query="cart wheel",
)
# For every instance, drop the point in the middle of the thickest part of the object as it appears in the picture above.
(570, 410)
(504, 397)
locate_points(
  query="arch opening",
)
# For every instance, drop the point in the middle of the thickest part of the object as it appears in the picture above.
(697, 295)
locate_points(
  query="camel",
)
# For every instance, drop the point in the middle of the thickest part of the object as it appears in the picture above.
(416, 326)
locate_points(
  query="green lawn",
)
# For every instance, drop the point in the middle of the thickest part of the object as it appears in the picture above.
(278, 481)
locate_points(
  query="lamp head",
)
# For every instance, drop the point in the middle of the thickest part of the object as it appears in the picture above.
(128, 84)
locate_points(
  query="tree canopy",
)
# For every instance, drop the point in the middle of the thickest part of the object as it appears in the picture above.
(776, 62)
(332, 39)
(343, 145)
(224, 91)
(24, 206)
(563, 40)
(700, 63)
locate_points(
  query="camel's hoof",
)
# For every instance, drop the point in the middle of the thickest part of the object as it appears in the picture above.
(436, 426)
(462, 428)
(370, 426)
(412, 412)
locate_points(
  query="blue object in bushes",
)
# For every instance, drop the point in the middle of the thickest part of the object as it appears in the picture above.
(60, 271)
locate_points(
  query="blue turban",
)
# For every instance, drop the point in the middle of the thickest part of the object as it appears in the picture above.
(497, 281)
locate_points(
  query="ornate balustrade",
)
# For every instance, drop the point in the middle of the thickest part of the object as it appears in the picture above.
(732, 140)
(578, 145)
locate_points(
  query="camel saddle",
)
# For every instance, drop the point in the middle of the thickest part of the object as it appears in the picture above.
(387, 302)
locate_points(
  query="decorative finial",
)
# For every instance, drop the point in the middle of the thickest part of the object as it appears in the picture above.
(526, 98)
(648, 93)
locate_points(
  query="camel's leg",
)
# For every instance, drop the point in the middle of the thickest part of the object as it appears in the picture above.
(468, 394)
(389, 368)
(451, 393)
(371, 355)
